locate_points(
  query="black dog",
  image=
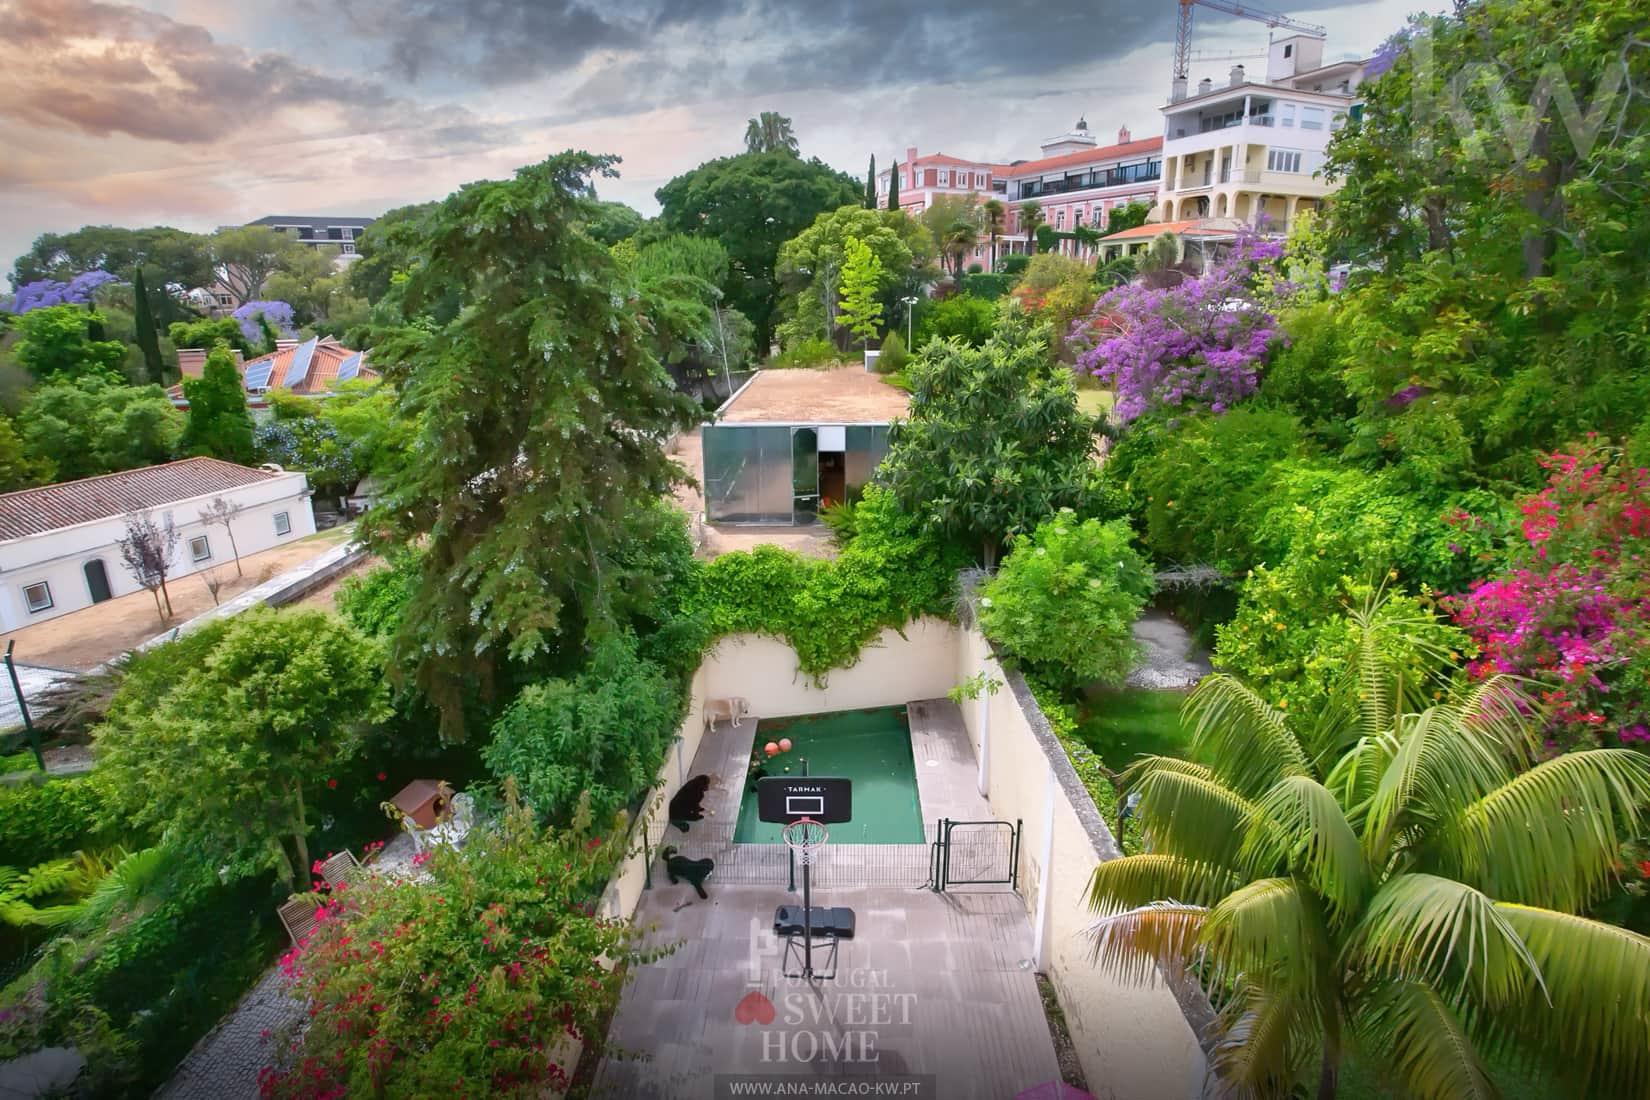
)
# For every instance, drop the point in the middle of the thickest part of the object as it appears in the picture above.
(688, 803)
(696, 871)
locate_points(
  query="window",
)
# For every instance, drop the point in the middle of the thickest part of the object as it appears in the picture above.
(1337, 120)
(283, 523)
(348, 249)
(199, 548)
(1312, 118)
(1060, 218)
(1283, 160)
(1288, 51)
(945, 177)
(979, 179)
(225, 300)
(1286, 115)
(38, 596)
(1077, 218)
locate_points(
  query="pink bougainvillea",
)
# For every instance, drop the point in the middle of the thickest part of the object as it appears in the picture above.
(1573, 612)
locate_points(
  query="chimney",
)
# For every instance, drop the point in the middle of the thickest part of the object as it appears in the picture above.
(1205, 86)
(1236, 75)
(910, 153)
(1123, 137)
(286, 345)
(1177, 90)
(192, 362)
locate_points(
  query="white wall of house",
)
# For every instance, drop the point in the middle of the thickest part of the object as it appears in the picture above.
(60, 559)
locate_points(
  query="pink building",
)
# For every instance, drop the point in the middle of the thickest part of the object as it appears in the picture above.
(1076, 182)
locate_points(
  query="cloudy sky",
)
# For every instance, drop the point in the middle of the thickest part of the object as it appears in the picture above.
(198, 114)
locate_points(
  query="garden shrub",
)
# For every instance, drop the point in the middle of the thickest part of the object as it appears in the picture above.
(1014, 264)
(1199, 491)
(1065, 601)
(895, 355)
(54, 819)
(972, 320)
(469, 980)
(990, 287)
(375, 601)
(600, 735)
(1304, 375)
(815, 352)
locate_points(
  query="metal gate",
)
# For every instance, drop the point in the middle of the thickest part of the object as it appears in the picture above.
(975, 853)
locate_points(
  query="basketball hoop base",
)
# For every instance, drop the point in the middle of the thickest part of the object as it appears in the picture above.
(803, 966)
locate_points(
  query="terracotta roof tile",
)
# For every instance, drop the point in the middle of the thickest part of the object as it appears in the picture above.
(49, 507)
(329, 355)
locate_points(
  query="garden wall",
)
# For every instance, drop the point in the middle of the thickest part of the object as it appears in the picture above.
(1133, 1042)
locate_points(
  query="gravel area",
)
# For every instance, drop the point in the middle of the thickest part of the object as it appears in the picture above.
(1170, 660)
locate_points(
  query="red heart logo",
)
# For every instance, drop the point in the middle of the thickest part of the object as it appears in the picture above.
(755, 1008)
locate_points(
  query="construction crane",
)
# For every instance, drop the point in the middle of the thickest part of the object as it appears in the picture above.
(1183, 34)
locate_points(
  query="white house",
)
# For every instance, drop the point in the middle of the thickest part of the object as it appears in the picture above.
(58, 549)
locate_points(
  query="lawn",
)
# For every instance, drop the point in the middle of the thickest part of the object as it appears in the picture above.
(1094, 402)
(1123, 725)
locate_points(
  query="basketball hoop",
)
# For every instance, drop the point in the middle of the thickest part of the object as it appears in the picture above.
(805, 837)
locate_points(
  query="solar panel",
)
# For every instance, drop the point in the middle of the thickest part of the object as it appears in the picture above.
(302, 356)
(257, 375)
(349, 368)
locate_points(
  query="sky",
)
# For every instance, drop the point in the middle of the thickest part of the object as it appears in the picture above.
(199, 114)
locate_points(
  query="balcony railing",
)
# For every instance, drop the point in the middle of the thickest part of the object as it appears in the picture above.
(1113, 178)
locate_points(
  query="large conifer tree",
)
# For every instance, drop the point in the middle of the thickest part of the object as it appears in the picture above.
(148, 339)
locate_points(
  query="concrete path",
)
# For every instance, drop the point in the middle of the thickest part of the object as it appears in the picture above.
(1170, 659)
(224, 1065)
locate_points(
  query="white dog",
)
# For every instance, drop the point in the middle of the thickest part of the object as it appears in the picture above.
(732, 709)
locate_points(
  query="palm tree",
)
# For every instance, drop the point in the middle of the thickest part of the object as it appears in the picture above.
(996, 216)
(955, 241)
(1031, 216)
(768, 132)
(1401, 878)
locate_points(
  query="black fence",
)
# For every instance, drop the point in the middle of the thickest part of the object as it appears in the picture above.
(951, 853)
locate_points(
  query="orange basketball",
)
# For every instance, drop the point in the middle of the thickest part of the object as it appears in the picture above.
(784, 744)
(771, 749)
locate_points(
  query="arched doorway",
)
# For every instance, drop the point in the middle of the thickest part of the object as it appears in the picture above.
(97, 580)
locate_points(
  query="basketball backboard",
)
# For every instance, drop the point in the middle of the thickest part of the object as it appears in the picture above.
(785, 798)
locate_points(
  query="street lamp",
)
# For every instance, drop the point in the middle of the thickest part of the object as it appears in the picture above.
(908, 303)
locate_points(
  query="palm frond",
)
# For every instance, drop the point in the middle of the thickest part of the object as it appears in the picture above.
(1299, 823)
(1551, 835)
(1421, 1040)
(1133, 881)
(1266, 925)
(1133, 944)
(1445, 934)
(1357, 775)
(1436, 769)
(1249, 737)
(1192, 815)
(1500, 710)
(131, 875)
(1266, 1037)
(1596, 1012)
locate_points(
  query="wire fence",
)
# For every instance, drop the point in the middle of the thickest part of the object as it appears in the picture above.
(849, 858)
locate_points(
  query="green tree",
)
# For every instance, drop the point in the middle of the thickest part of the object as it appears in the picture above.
(1065, 601)
(176, 260)
(862, 275)
(893, 187)
(244, 256)
(20, 467)
(1127, 216)
(148, 339)
(595, 739)
(811, 264)
(753, 204)
(612, 222)
(1031, 219)
(221, 755)
(954, 223)
(93, 425)
(770, 132)
(219, 424)
(871, 184)
(208, 333)
(995, 215)
(552, 415)
(995, 441)
(1405, 880)
(57, 342)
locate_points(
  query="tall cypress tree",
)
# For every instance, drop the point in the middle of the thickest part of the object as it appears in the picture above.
(893, 187)
(871, 184)
(148, 340)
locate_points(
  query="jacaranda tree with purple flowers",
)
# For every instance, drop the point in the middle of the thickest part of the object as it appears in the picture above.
(1197, 345)
(259, 319)
(77, 291)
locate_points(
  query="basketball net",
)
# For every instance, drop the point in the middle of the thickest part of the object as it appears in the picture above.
(805, 837)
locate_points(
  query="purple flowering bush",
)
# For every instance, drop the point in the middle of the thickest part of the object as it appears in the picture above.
(277, 314)
(1197, 345)
(41, 293)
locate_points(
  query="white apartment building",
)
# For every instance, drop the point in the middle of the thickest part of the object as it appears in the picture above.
(1253, 151)
(58, 551)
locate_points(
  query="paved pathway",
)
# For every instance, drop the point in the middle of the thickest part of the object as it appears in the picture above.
(224, 1065)
(1170, 658)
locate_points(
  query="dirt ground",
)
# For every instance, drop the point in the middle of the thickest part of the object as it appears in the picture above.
(846, 395)
(95, 634)
(712, 540)
(326, 597)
